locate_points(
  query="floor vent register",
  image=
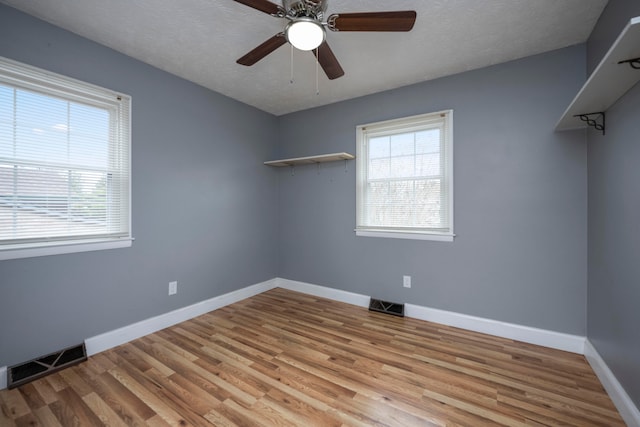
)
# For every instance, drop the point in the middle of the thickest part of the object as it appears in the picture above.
(45, 365)
(394, 308)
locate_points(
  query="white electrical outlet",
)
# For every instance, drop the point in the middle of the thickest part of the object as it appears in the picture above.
(173, 288)
(406, 281)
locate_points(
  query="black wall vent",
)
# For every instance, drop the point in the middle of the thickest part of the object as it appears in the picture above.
(386, 307)
(45, 365)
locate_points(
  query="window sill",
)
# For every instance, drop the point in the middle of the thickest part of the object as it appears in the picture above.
(406, 235)
(59, 248)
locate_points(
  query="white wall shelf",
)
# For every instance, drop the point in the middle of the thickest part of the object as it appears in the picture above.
(333, 157)
(611, 79)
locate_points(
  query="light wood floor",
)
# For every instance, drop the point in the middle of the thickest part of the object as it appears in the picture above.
(287, 359)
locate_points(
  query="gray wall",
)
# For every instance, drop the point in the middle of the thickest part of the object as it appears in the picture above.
(520, 198)
(204, 210)
(614, 221)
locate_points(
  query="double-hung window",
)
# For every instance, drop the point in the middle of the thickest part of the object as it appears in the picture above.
(64, 164)
(405, 178)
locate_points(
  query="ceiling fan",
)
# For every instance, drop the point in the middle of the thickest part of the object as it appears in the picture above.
(306, 29)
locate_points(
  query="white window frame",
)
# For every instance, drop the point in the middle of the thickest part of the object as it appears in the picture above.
(31, 78)
(399, 126)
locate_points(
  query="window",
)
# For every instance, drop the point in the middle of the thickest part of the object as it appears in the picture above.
(405, 178)
(64, 164)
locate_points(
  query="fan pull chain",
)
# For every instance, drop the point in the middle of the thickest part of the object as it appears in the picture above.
(317, 88)
(291, 79)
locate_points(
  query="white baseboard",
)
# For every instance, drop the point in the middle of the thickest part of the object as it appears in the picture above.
(128, 333)
(557, 340)
(543, 337)
(323, 292)
(628, 411)
(3, 377)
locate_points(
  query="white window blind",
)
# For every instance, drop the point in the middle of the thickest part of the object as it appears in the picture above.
(404, 177)
(64, 160)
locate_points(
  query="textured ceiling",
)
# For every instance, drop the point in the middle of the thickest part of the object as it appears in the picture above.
(200, 41)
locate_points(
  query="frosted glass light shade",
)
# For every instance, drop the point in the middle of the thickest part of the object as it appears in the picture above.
(305, 34)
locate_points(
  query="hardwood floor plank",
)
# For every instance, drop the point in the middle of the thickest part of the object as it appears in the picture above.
(159, 341)
(157, 421)
(31, 396)
(563, 394)
(70, 410)
(215, 394)
(29, 419)
(317, 387)
(218, 420)
(5, 414)
(135, 353)
(189, 400)
(147, 391)
(76, 382)
(44, 390)
(236, 413)
(103, 411)
(121, 400)
(46, 418)
(101, 363)
(542, 414)
(56, 382)
(13, 404)
(301, 409)
(283, 358)
(271, 384)
(372, 412)
(264, 413)
(473, 408)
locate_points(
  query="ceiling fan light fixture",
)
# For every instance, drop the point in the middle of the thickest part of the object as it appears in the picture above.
(305, 33)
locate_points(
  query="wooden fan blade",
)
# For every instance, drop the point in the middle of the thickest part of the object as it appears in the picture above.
(261, 5)
(263, 50)
(329, 62)
(373, 21)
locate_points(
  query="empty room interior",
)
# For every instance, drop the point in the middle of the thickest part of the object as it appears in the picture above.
(428, 215)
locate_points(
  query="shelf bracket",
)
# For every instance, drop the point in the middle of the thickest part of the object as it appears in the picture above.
(292, 169)
(593, 121)
(633, 63)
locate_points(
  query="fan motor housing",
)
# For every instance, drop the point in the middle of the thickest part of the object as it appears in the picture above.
(310, 8)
